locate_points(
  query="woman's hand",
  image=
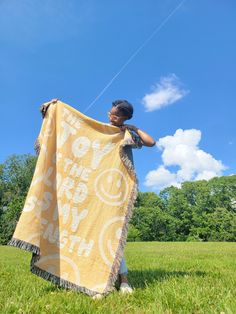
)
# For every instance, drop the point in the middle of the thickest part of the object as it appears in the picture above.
(129, 126)
(43, 109)
(146, 139)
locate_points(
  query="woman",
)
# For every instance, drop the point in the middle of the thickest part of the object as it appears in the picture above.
(121, 111)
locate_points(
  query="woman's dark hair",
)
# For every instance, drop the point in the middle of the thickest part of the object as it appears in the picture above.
(124, 107)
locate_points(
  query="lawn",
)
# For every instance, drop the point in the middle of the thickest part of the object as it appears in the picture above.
(168, 277)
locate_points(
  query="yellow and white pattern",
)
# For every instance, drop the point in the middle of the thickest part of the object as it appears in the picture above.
(79, 203)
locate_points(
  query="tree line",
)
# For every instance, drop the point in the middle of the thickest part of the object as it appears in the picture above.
(198, 211)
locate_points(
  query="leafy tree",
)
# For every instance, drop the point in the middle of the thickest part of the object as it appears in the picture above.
(9, 218)
(153, 224)
(133, 234)
(16, 174)
(222, 225)
(149, 199)
(178, 207)
(223, 191)
(15, 178)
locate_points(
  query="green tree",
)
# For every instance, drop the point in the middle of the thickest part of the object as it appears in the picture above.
(149, 199)
(133, 234)
(222, 225)
(153, 224)
(9, 218)
(15, 178)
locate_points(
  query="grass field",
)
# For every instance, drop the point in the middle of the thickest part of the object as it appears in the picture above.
(179, 277)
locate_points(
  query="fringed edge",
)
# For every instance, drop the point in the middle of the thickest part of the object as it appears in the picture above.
(57, 280)
(24, 245)
(43, 273)
(37, 147)
(119, 253)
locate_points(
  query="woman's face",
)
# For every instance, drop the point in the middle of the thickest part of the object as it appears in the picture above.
(116, 117)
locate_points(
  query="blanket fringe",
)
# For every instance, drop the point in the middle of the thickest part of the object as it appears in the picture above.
(57, 280)
(119, 254)
(46, 275)
(24, 245)
(37, 147)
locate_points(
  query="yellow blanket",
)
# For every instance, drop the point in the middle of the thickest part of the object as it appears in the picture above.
(80, 200)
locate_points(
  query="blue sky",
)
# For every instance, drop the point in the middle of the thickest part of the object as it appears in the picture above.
(181, 83)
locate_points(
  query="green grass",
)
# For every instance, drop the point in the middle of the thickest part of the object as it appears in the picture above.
(180, 277)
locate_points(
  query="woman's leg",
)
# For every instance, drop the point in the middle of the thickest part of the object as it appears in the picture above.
(123, 271)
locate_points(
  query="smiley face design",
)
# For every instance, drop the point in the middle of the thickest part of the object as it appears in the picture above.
(109, 239)
(111, 187)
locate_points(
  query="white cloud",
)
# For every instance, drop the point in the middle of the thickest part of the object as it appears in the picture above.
(164, 93)
(161, 177)
(181, 150)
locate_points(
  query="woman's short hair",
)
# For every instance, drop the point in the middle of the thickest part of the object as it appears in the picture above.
(124, 107)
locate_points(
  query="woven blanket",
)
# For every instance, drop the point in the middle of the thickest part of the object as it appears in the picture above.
(79, 203)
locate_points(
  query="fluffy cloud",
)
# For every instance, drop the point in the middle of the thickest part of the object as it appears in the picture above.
(181, 150)
(164, 93)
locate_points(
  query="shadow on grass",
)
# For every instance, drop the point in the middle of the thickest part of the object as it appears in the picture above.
(142, 278)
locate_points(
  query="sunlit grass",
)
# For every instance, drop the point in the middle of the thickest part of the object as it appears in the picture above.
(167, 277)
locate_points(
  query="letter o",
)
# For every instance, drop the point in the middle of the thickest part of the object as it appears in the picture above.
(80, 146)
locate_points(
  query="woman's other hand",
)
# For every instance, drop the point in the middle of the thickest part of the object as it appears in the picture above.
(146, 139)
(44, 107)
(129, 126)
